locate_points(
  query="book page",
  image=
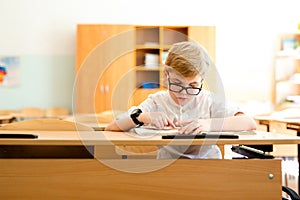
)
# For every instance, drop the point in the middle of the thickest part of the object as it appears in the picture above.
(151, 130)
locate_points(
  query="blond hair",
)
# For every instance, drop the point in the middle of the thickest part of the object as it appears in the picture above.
(189, 59)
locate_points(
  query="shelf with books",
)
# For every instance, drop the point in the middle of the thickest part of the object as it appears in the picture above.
(151, 49)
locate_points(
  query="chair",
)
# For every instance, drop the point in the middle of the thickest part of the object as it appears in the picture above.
(5, 119)
(102, 117)
(134, 152)
(56, 112)
(7, 116)
(108, 116)
(96, 120)
(31, 112)
(7, 112)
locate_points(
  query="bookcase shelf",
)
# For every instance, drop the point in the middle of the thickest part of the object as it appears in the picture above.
(152, 45)
(286, 87)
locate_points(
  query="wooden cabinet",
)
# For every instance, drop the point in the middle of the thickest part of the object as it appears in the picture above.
(286, 87)
(120, 65)
(104, 62)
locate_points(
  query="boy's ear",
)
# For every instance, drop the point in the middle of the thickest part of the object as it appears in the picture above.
(165, 78)
(166, 73)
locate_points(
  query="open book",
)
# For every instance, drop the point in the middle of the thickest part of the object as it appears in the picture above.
(151, 131)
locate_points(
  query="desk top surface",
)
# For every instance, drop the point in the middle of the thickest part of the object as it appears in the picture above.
(277, 119)
(6, 116)
(131, 139)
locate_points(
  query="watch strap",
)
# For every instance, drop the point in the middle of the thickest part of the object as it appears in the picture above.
(134, 115)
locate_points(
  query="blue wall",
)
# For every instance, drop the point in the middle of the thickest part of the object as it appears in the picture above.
(45, 81)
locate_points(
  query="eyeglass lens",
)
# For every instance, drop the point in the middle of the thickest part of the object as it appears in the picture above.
(189, 90)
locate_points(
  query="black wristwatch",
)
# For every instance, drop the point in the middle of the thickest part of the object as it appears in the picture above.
(134, 115)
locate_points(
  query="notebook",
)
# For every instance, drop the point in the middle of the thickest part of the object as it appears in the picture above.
(151, 131)
(166, 131)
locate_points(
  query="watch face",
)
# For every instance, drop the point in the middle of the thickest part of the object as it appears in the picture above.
(136, 112)
(134, 116)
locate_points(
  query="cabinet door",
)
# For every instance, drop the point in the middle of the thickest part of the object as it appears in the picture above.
(117, 85)
(206, 36)
(104, 54)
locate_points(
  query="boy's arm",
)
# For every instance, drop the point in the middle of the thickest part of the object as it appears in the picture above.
(122, 124)
(157, 119)
(239, 122)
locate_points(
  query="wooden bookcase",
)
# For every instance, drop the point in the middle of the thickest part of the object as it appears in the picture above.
(286, 76)
(140, 69)
(156, 41)
(152, 44)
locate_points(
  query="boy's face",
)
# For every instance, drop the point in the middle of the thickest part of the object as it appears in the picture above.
(183, 89)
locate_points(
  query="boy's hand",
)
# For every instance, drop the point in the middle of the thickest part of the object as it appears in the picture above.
(157, 119)
(194, 126)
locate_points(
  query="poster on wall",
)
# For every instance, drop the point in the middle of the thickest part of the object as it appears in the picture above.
(9, 71)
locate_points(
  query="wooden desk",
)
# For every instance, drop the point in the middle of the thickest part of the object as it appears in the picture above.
(96, 126)
(5, 119)
(96, 121)
(293, 123)
(139, 179)
(130, 139)
(278, 125)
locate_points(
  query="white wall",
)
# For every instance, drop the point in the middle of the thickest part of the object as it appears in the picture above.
(42, 33)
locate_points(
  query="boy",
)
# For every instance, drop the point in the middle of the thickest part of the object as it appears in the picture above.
(185, 105)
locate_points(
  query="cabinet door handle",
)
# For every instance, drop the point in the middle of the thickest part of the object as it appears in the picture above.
(101, 88)
(106, 88)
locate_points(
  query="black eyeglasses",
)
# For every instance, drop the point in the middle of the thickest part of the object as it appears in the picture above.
(175, 87)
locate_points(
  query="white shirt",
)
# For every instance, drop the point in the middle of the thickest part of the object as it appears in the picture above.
(203, 106)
